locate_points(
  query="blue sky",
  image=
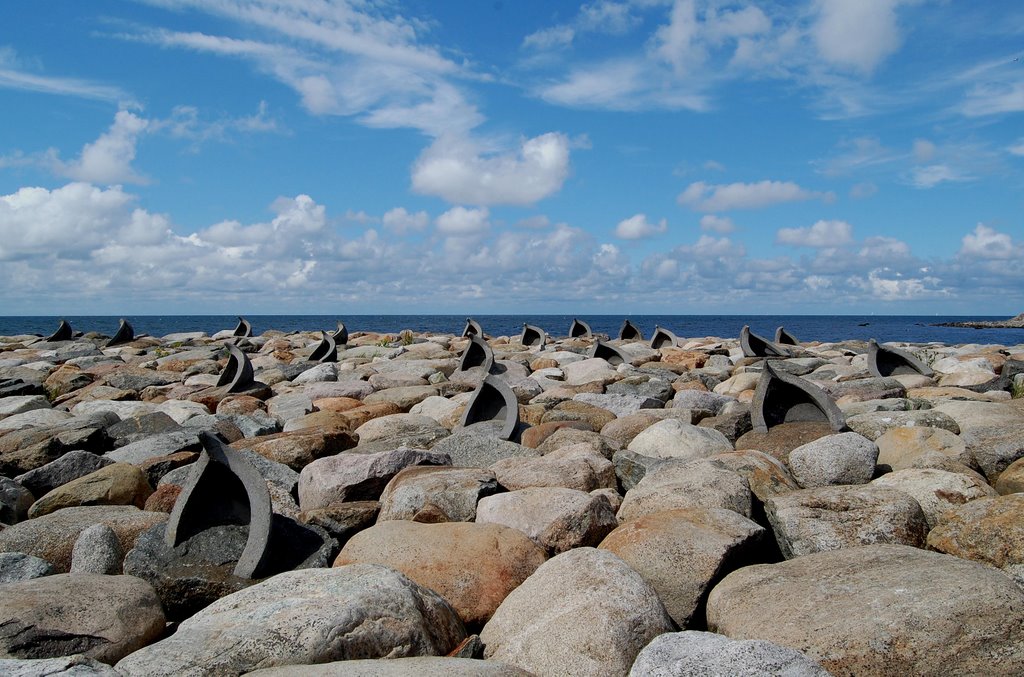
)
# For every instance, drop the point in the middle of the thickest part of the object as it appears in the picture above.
(613, 156)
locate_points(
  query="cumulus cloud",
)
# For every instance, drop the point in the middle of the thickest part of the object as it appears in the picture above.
(461, 221)
(402, 222)
(717, 224)
(109, 158)
(638, 227)
(460, 171)
(988, 243)
(856, 34)
(706, 197)
(823, 234)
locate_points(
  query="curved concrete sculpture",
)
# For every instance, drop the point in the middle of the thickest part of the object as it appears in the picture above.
(341, 335)
(472, 327)
(63, 333)
(663, 338)
(532, 336)
(477, 354)
(243, 329)
(224, 488)
(493, 400)
(783, 337)
(885, 361)
(784, 398)
(608, 353)
(579, 329)
(629, 332)
(758, 346)
(237, 375)
(125, 334)
(326, 350)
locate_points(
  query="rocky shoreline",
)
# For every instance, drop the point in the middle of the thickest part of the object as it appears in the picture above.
(417, 504)
(1016, 322)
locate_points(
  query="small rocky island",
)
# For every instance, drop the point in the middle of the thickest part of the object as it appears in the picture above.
(1012, 323)
(414, 504)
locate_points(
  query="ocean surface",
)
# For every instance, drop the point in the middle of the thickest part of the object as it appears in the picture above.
(907, 328)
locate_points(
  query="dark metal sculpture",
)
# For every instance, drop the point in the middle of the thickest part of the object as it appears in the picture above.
(341, 336)
(472, 327)
(493, 400)
(238, 374)
(243, 329)
(758, 346)
(224, 488)
(608, 353)
(532, 336)
(886, 361)
(63, 333)
(783, 337)
(326, 350)
(783, 398)
(663, 338)
(125, 334)
(630, 332)
(579, 329)
(477, 354)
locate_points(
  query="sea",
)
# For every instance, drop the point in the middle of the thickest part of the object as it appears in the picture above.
(825, 328)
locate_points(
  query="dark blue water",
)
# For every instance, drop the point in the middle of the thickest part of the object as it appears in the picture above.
(915, 329)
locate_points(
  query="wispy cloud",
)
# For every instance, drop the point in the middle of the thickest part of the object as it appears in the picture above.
(726, 197)
(13, 75)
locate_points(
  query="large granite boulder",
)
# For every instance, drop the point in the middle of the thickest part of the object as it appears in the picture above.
(76, 665)
(584, 612)
(936, 490)
(70, 466)
(357, 477)
(115, 484)
(844, 458)
(415, 666)
(473, 566)
(680, 484)
(305, 617)
(988, 530)
(673, 438)
(102, 617)
(708, 653)
(879, 609)
(556, 518)
(436, 494)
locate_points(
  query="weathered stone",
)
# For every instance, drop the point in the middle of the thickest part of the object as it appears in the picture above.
(69, 666)
(343, 520)
(470, 449)
(357, 477)
(565, 437)
(52, 537)
(936, 490)
(34, 418)
(404, 397)
(535, 435)
(1011, 480)
(436, 494)
(163, 499)
(676, 439)
(156, 445)
(766, 476)
(395, 430)
(784, 438)
(879, 609)
(115, 484)
(604, 615)
(299, 448)
(97, 551)
(588, 371)
(631, 467)
(683, 553)
(874, 425)
(901, 448)
(988, 530)
(845, 458)
(556, 518)
(415, 666)
(862, 389)
(102, 617)
(70, 466)
(472, 566)
(140, 427)
(830, 518)
(619, 404)
(687, 484)
(573, 410)
(25, 450)
(708, 653)
(15, 501)
(17, 566)
(578, 468)
(9, 406)
(733, 424)
(302, 617)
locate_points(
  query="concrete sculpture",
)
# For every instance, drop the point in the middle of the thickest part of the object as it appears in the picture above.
(783, 337)
(472, 327)
(494, 401)
(608, 353)
(886, 361)
(224, 488)
(63, 333)
(125, 334)
(478, 353)
(533, 337)
(629, 332)
(579, 329)
(341, 335)
(243, 329)
(237, 374)
(758, 346)
(326, 350)
(663, 338)
(783, 398)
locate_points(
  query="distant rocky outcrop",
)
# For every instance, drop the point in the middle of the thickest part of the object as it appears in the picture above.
(1012, 323)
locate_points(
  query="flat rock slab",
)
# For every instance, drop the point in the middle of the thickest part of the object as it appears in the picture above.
(708, 653)
(65, 666)
(989, 530)
(305, 617)
(875, 424)
(473, 566)
(830, 518)
(102, 617)
(584, 612)
(879, 610)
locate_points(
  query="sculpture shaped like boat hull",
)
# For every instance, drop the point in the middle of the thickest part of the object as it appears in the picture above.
(630, 332)
(758, 346)
(243, 329)
(663, 338)
(326, 350)
(478, 353)
(472, 328)
(63, 333)
(125, 334)
(783, 398)
(237, 374)
(608, 353)
(886, 361)
(783, 337)
(533, 337)
(493, 400)
(579, 329)
(341, 335)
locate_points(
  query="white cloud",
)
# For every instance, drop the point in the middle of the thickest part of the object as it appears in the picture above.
(462, 221)
(677, 41)
(637, 227)
(924, 150)
(714, 166)
(108, 159)
(459, 171)
(994, 98)
(987, 243)
(823, 234)
(856, 34)
(862, 190)
(717, 224)
(725, 197)
(550, 38)
(402, 222)
(13, 75)
(932, 175)
(603, 17)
